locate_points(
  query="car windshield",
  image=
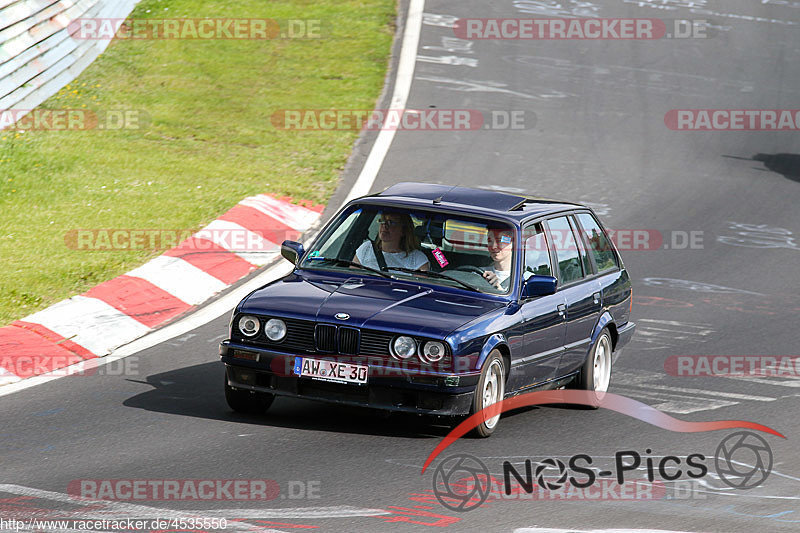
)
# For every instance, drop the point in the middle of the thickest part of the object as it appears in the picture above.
(433, 247)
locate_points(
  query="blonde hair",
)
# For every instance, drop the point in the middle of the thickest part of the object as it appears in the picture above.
(409, 241)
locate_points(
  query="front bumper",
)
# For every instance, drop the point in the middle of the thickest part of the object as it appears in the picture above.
(388, 387)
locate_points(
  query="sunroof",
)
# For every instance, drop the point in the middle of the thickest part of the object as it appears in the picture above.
(456, 195)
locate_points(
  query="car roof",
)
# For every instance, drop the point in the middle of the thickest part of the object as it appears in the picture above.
(470, 201)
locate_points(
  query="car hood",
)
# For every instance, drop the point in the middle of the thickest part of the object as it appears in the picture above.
(370, 303)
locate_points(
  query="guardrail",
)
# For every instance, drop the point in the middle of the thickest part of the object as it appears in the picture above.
(37, 55)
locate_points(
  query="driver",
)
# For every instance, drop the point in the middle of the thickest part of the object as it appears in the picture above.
(398, 243)
(500, 244)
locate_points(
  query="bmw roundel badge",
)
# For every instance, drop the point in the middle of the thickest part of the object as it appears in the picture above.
(341, 316)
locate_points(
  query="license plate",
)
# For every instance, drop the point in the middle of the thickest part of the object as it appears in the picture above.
(330, 370)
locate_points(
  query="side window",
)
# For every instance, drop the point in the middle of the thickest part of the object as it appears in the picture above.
(585, 261)
(601, 248)
(569, 263)
(537, 258)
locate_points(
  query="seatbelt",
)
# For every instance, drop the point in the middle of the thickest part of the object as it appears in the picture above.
(379, 256)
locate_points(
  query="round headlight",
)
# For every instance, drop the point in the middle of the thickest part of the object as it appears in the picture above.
(404, 347)
(433, 351)
(275, 329)
(249, 325)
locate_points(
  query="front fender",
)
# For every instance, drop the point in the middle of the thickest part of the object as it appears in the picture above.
(491, 343)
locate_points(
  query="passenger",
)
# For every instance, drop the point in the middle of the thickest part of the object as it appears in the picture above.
(501, 245)
(397, 242)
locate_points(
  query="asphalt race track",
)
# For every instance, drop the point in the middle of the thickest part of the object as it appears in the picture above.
(718, 276)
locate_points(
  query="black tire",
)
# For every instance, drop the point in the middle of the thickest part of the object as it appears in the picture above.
(490, 389)
(595, 374)
(245, 401)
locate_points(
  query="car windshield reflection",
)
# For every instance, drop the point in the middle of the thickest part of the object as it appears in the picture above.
(436, 248)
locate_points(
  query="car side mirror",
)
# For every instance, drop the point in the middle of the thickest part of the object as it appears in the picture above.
(292, 251)
(539, 286)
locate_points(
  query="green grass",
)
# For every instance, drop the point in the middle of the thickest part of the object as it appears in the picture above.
(206, 143)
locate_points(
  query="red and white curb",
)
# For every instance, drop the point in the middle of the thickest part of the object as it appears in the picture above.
(20, 340)
(127, 307)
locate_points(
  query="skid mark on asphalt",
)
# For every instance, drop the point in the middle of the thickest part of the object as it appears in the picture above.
(646, 386)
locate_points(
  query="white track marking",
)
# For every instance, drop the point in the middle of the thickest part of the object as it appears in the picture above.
(7, 377)
(179, 278)
(455, 61)
(785, 381)
(661, 334)
(470, 86)
(695, 286)
(402, 87)
(680, 400)
(258, 251)
(646, 380)
(443, 21)
(671, 403)
(89, 322)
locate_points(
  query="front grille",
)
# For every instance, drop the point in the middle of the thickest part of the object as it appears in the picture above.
(299, 336)
(375, 343)
(348, 341)
(325, 336)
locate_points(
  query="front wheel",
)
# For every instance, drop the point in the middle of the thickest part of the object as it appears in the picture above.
(245, 401)
(595, 375)
(490, 390)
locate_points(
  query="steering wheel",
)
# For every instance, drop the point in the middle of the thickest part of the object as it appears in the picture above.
(470, 268)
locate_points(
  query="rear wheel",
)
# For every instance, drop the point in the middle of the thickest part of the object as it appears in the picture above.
(595, 375)
(490, 390)
(245, 401)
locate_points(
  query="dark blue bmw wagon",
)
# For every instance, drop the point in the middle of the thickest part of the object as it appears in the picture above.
(437, 300)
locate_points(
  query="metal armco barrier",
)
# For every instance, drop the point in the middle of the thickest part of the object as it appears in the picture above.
(37, 55)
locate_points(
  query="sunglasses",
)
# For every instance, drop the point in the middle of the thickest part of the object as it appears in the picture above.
(388, 223)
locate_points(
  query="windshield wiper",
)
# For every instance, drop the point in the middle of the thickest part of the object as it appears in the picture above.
(432, 274)
(338, 261)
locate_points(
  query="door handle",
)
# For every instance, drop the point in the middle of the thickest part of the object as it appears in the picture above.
(596, 297)
(562, 309)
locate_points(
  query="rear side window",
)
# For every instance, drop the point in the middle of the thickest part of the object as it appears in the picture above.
(569, 262)
(603, 253)
(585, 261)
